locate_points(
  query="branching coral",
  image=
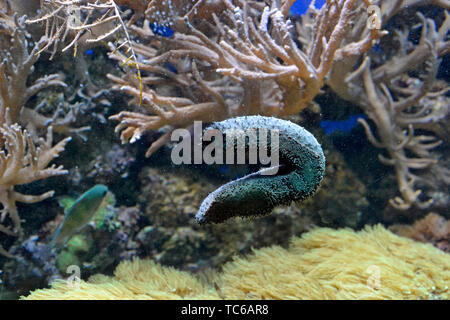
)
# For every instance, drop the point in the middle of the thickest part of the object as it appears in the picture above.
(396, 95)
(85, 24)
(237, 65)
(22, 162)
(241, 66)
(24, 158)
(227, 58)
(395, 127)
(431, 229)
(65, 22)
(17, 65)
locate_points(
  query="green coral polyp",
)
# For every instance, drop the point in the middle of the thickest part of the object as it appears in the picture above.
(300, 171)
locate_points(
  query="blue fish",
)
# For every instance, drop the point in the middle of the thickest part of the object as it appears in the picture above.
(301, 6)
(345, 126)
(170, 67)
(161, 30)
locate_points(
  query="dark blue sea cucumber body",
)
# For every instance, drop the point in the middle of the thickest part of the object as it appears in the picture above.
(303, 166)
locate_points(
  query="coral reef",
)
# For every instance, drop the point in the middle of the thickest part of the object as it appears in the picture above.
(395, 94)
(169, 198)
(163, 227)
(322, 264)
(241, 50)
(16, 67)
(234, 66)
(25, 154)
(146, 68)
(21, 163)
(108, 239)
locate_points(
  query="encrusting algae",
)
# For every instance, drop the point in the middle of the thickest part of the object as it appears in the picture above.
(322, 264)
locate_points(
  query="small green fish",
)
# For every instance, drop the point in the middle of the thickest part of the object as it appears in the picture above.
(79, 214)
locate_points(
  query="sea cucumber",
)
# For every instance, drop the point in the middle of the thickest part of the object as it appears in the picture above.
(300, 171)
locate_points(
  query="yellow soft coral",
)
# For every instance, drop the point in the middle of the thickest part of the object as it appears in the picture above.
(341, 264)
(322, 264)
(137, 280)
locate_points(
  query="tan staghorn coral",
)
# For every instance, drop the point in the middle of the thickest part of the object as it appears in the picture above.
(83, 24)
(233, 64)
(322, 264)
(16, 68)
(24, 157)
(17, 64)
(71, 23)
(401, 96)
(22, 162)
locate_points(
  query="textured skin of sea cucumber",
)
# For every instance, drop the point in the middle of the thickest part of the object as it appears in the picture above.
(302, 164)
